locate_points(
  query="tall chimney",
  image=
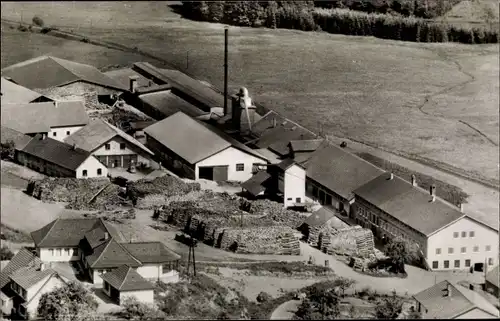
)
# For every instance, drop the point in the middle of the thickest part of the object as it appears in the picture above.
(106, 236)
(225, 70)
(413, 180)
(432, 190)
(133, 83)
(448, 290)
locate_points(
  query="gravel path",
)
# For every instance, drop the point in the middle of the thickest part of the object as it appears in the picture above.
(286, 310)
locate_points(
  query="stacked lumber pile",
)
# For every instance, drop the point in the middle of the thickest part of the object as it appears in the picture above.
(164, 185)
(365, 244)
(68, 190)
(153, 201)
(329, 228)
(342, 241)
(117, 216)
(70, 94)
(109, 198)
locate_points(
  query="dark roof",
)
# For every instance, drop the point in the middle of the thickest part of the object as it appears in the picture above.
(151, 252)
(287, 163)
(96, 236)
(28, 276)
(12, 93)
(56, 152)
(339, 171)
(122, 77)
(57, 72)
(169, 103)
(309, 145)
(141, 124)
(319, 217)
(8, 134)
(409, 204)
(98, 132)
(110, 254)
(255, 185)
(126, 278)
(22, 259)
(191, 139)
(493, 276)
(40, 117)
(461, 300)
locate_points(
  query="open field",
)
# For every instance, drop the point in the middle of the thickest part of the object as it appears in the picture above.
(370, 90)
(473, 13)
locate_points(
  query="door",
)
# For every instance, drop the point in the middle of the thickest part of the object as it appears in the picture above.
(129, 158)
(206, 173)
(220, 173)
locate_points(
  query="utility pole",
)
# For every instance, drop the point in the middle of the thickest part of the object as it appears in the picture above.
(226, 39)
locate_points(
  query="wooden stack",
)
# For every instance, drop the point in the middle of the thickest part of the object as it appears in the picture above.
(365, 244)
(313, 238)
(325, 240)
(290, 244)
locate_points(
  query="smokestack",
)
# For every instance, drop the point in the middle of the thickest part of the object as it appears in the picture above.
(106, 236)
(448, 290)
(133, 83)
(225, 70)
(413, 180)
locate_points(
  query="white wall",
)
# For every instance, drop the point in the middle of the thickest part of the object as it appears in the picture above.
(91, 164)
(476, 314)
(444, 239)
(46, 256)
(6, 305)
(130, 149)
(43, 287)
(294, 185)
(154, 271)
(231, 156)
(145, 296)
(61, 132)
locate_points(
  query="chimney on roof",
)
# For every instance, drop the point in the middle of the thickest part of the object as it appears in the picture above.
(42, 266)
(413, 180)
(432, 191)
(392, 177)
(73, 147)
(448, 290)
(133, 83)
(461, 207)
(274, 122)
(44, 136)
(106, 236)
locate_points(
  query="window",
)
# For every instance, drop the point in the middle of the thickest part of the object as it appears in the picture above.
(463, 250)
(438, 251)
(165, 268)
(54, 134)
(289, 199)
(67, 251)
(455, 234)
(67, 133)
(450, 250)
(457, 263)
(122, 145)
(84, 173)
(488, 248)
(435, 264)
(23, 293)
(240, 167)
(106, 286)
(490, 261)
(297, 200)
(75, 251)
(446, 264)
(107, 146)
(99, 171)
(51, 252)
(471, 234)
(467, 263)
(464, 234)
(476, 248)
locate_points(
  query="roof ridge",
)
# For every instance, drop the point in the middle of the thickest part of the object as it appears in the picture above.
(54, 222)
(128, 252)
(103, 250)
(126, 275)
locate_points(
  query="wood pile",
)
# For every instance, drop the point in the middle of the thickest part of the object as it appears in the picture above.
(117, 216)
(365, 244)
(64, 94)
(345, 242)
(153, 201)
(52, 189)
(108, 199)
(164, 185)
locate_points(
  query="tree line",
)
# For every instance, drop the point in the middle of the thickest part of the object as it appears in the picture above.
(303, 15)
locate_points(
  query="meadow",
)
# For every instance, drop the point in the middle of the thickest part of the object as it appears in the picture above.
(437, 103)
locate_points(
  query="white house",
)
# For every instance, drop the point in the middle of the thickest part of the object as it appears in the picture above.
(200, 151)
(292, 183)
(110, 145)
(125, 282)
(54, 158)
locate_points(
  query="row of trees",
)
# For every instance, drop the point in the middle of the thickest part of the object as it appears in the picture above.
(302, 15)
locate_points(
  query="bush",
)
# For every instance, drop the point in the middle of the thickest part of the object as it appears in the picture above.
(133, 309)
(263, 297)
(6, 253)
(22, 28)
(8, 149)
(37, 21)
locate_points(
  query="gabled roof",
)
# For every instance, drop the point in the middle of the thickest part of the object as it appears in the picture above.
(110, 254)
(12, 93)
(339, 171)
(96, 236)
(65, 232)
(23, 258)
(193, 140)
(40, 117)
(97, 133)
(151, 252)
(493, 276)
(319, 217)
(28, 276)
(169, 103)
(56, 152)
(409, 204)
(287, 163)
(256, 184)
(461, 300)
(126, 278)
(309, 145)
(8, 134)
(57, 72)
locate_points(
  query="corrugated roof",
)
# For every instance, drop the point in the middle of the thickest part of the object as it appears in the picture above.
(110, 254)
(56, 152)
(461, 300)
(126, 278)
(319, 217)
(23, 258)
(309, 145)
(8, 134)
(64, 232)
(57, 72)
(409, 204)
(255, 185)
(97, 133)
(191, 139)
(14, 94)
(338, 170)
(493, 276)
(40, 117)
(168, 104)
(151, 252)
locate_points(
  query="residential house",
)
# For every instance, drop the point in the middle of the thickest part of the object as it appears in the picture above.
(198, 150)
(58, 159)
(12, 93)
(73, 77)
(447, 238)
(492, 281)
(110, 145)
(23, 281)
(99, 248)
(446, 300)
(125, 282)
(56, 119)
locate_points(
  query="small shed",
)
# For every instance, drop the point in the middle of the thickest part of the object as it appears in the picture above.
(125, 282)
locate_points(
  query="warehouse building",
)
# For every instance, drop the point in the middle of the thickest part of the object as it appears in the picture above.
(200, 151)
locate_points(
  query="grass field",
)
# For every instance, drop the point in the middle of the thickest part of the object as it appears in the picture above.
(368, 89)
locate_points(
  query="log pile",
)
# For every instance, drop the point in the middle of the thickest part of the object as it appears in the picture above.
(164, 185)
(117, 216)
(52, 189)
(365, 244)
(344, 241)
(108, 199)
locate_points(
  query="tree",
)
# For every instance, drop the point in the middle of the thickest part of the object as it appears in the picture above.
(71, 302)
(263, 297)
(343, 284)
(8, 149)
(391, 307)
(133, 309)
(397, 250)
(322, 303)
(37, 21)
(6, 253)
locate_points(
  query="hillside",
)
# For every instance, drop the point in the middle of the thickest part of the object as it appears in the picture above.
(474, 12)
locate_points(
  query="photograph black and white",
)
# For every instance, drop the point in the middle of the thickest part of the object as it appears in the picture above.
(238, 160)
